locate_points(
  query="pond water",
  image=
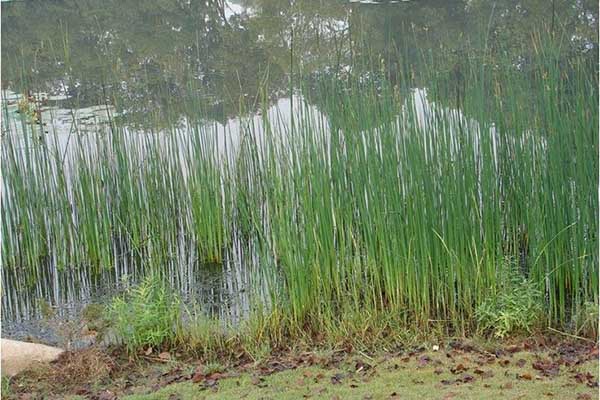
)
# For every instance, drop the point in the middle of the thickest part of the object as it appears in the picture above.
(150, 66)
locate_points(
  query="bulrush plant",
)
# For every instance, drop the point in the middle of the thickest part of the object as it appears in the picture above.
(382, 205)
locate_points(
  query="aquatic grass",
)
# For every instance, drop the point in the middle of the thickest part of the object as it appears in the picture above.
(376, 206)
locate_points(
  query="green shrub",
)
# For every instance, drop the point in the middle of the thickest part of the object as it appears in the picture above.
(516, 307)
(147, 315)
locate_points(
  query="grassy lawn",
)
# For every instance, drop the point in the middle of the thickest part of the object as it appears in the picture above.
(557, 371)
(422, 377)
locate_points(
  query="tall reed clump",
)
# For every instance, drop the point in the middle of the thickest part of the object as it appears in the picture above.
(392, 205)
(373, 208)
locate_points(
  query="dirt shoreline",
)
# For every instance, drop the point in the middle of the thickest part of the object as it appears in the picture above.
(535, 366)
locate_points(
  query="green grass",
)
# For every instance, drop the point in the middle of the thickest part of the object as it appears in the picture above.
(447, 373)
(147, 316)
(408, 380)
(362, 217)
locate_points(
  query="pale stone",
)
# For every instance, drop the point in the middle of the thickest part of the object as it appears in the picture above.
(17, 356)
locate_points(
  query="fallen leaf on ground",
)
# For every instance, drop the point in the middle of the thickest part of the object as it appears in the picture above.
(466, 378)
(216, 376)
(586, 378)
(546, 367)
(198, 376)
(458, 369)
(337, 379)
(211, 384)
(526, 376)
(424, 360)
(513, 349)
(83, 391)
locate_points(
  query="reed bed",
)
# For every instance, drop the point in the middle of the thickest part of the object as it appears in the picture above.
(371, 208)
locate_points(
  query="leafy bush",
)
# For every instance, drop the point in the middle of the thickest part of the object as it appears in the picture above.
(516, 307)
(147, 315)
